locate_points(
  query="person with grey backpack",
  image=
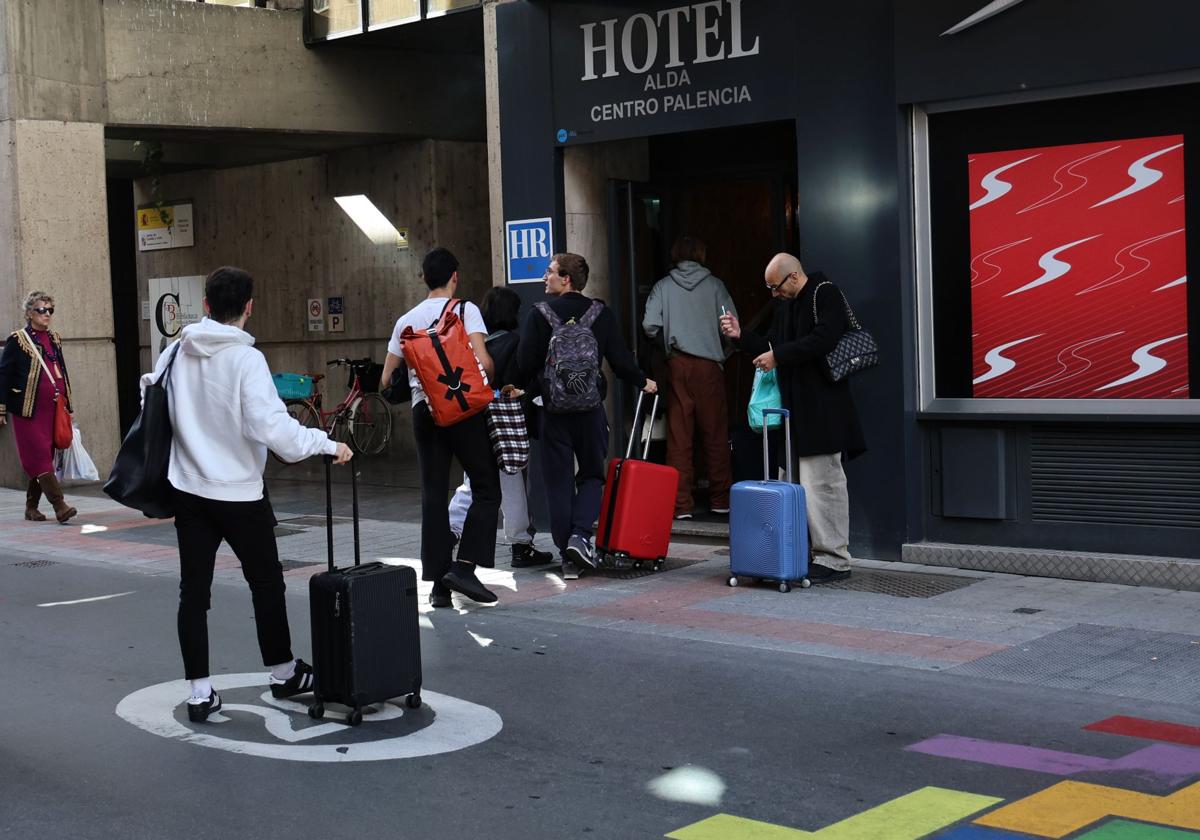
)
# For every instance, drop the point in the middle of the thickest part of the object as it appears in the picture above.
(563, 344)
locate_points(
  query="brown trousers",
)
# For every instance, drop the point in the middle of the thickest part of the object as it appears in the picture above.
(697, 403)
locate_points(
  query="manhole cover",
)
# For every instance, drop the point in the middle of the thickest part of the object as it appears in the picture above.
(900, 584)
(647, 569)
(34, 564)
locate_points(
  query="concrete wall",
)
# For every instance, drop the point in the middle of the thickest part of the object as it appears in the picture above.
(54, 60)
(198, 65)
(280, 222)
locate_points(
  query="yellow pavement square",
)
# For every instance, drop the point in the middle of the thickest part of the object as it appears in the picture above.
(908, 817)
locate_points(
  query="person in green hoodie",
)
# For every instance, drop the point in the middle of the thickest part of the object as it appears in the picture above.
(684, 310)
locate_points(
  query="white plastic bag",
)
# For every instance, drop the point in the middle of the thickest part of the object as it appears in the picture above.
(74, 463)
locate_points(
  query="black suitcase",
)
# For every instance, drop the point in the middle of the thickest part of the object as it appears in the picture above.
(366, 641)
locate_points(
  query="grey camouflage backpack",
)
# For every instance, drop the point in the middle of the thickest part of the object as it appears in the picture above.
(571, 377)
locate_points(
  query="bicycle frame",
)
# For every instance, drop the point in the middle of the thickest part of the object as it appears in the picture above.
(329, 419)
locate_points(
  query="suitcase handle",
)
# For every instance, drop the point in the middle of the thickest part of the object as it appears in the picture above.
(637, 413)
(787, 436)
(329, 509)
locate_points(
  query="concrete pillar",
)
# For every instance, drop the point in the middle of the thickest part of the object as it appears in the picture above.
(53, 211)
(54, 237)
(491, 69)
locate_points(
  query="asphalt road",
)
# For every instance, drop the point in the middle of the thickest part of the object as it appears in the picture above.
(597, 724)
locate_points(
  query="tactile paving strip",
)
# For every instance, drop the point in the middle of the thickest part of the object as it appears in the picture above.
(1106, 660)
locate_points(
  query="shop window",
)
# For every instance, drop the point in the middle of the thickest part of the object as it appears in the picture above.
(391, 12)
(1055, 273)
(440, 7)
(333, 18)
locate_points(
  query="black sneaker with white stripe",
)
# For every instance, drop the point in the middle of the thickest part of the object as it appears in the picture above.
(199, 712)
(300, 682)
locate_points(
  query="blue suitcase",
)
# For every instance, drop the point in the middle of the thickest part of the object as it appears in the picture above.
(768, 524)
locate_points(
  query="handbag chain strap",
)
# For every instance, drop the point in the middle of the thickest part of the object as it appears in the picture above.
(854, 325)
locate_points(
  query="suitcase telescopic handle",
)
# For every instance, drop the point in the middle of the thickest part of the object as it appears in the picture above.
(787, 437)
(354, 496)
(637, 412)
(329, 510)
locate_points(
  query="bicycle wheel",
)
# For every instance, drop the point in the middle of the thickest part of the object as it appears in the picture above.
(370, 424)
(302, 412)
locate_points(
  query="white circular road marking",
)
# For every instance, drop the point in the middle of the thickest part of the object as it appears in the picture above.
(458, 724)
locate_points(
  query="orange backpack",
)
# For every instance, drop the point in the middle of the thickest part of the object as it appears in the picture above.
(445, 364)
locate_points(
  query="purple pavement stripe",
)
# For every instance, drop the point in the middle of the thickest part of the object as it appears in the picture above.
(1018, 757)
(1165, 764)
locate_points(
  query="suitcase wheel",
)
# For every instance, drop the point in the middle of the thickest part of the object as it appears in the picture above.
(805, 583)
(784, 586)
(355, 717)
(733, 580)
(658, 564)
(413, 701)
(316, 711)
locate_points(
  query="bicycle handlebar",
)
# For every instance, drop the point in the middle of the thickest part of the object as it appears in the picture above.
(343, 361)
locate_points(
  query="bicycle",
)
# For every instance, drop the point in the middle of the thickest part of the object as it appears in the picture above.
(366, 415)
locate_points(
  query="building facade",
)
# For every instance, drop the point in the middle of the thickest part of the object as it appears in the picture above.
(987, 182)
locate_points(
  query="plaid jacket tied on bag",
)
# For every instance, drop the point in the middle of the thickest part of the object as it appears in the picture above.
(510, 437)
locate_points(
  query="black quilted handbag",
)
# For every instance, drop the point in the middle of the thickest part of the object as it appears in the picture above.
(856, 350)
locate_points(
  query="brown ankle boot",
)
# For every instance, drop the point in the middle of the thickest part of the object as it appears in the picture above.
(54, 494)
(33, 495)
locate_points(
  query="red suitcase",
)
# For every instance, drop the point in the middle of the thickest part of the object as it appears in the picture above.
(638, 506)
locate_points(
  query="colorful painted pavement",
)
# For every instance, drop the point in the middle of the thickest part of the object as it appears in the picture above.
(1069, 808)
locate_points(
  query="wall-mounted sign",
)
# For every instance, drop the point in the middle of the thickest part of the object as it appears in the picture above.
(529, 244)
(335, 318)
(626, 70)
(316, 315)
(167, 227)
(175, 302)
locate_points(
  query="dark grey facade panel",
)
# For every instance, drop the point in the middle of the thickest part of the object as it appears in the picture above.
(825, 66)
(1038, 44)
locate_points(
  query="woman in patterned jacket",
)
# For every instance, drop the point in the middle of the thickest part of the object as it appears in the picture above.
(33, 374)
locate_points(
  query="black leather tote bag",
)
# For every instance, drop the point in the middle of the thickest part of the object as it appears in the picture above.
(139, 474)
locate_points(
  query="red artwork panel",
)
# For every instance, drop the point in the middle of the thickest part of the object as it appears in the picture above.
(1079, 271)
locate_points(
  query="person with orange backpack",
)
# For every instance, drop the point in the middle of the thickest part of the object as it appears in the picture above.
(442, 341)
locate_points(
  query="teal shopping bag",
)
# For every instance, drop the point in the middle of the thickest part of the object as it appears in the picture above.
(764, 394)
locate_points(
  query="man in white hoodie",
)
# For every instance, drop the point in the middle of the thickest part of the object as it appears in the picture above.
(685, 308)
(225, 415)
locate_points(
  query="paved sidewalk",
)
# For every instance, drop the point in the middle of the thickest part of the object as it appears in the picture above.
(1102, 638)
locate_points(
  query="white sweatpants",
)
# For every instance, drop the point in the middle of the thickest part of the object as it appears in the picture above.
(514, 507)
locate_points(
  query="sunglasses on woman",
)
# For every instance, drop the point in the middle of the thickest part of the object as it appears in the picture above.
(44, 310)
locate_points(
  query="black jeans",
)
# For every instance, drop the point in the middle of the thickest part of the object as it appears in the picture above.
(467, 441)
(574, 498)
(249, 528)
